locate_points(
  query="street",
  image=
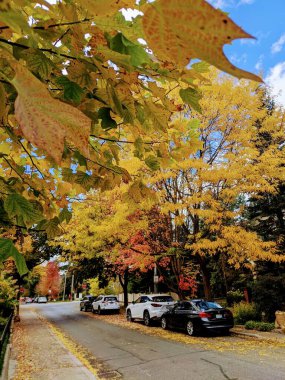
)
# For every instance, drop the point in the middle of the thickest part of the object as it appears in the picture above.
(134, 355)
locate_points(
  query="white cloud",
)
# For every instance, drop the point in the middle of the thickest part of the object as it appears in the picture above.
(278, 45)
(276, 80)
(259, 64)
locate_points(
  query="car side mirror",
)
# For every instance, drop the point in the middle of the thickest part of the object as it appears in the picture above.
(133, 302)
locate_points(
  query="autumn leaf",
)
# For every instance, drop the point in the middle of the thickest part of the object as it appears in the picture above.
(181, 30)
(45, 121)
(8, 250)
(65, 214)
(122, 45)
(105, 7)
(17, 206)
(191, 97)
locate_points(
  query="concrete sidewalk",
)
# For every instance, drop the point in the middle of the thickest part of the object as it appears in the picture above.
(277, 335)
(38, 354)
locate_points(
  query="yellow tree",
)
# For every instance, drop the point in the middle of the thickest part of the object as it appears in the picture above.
(205, 193)
(77, 79)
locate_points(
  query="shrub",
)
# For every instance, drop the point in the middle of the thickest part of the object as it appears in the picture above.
(244, 312)
(260, 326)
(3, 321)
(234, 296)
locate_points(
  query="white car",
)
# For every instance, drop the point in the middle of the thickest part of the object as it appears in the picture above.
(106, 303)
(149, 307)
(41, 299)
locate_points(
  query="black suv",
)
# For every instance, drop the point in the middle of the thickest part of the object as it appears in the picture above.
(86, 303)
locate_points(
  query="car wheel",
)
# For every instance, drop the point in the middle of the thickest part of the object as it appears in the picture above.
(93, 311)
(190, 328)
(146, 318)
(164, 323)
(99, 310)
(85, 308)
(129, 316)
(80, 308)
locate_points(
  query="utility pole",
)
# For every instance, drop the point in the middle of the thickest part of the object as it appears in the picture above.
(72, 286)
(63, 296)
(155, 279)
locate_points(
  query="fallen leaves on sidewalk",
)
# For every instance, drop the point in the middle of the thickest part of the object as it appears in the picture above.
(21, 353)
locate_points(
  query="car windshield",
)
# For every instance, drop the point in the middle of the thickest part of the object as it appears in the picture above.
(206, 305)
(110, 299)
(162, 299)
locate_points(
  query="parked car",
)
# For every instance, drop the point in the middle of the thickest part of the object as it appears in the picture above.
(196, 316)
(40, 299)
(86, 303)
(106, 303)
(29, 300)
(149, 307)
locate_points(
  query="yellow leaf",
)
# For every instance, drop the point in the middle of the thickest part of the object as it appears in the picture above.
(106, 7)
(180, 30)
(45, 121)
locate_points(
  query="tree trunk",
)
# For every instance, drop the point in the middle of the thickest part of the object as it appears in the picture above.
(206, 277)
(124, 284)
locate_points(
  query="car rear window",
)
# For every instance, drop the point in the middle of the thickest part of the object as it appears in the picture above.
(162, 299)
(110, 298)
(206, 305)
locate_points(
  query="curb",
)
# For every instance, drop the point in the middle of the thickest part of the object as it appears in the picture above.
(257, 336)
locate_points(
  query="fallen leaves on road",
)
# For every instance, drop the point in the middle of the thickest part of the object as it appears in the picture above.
(238, 344)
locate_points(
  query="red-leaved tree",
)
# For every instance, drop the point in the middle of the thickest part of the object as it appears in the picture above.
(50, 282)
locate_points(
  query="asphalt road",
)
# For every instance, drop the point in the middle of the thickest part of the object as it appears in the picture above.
(138, 356)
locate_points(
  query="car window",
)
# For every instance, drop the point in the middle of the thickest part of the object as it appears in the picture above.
(98, 299)
(144, 299)
(162, 299)
(186, 306)
(110, 298)
(206, 305)
(138, 300)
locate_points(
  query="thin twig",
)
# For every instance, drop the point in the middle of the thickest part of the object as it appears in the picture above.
(31, 158)
(53, 25)
(126, 141)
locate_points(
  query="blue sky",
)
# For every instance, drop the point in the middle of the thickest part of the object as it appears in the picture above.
(264, 19)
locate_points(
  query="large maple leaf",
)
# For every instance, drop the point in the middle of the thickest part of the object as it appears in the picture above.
(180, 30)
(44, 121)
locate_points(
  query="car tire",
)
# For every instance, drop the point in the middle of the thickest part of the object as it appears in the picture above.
(164, 323)
(93, 311)
(129, 316)
(99, 310)
(80, 308)
(85, 309)
(146, 318)
(190, 328)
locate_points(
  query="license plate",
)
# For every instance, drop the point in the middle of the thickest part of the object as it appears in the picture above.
(219, 316)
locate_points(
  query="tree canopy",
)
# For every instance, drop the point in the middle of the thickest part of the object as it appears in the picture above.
(78, 83)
